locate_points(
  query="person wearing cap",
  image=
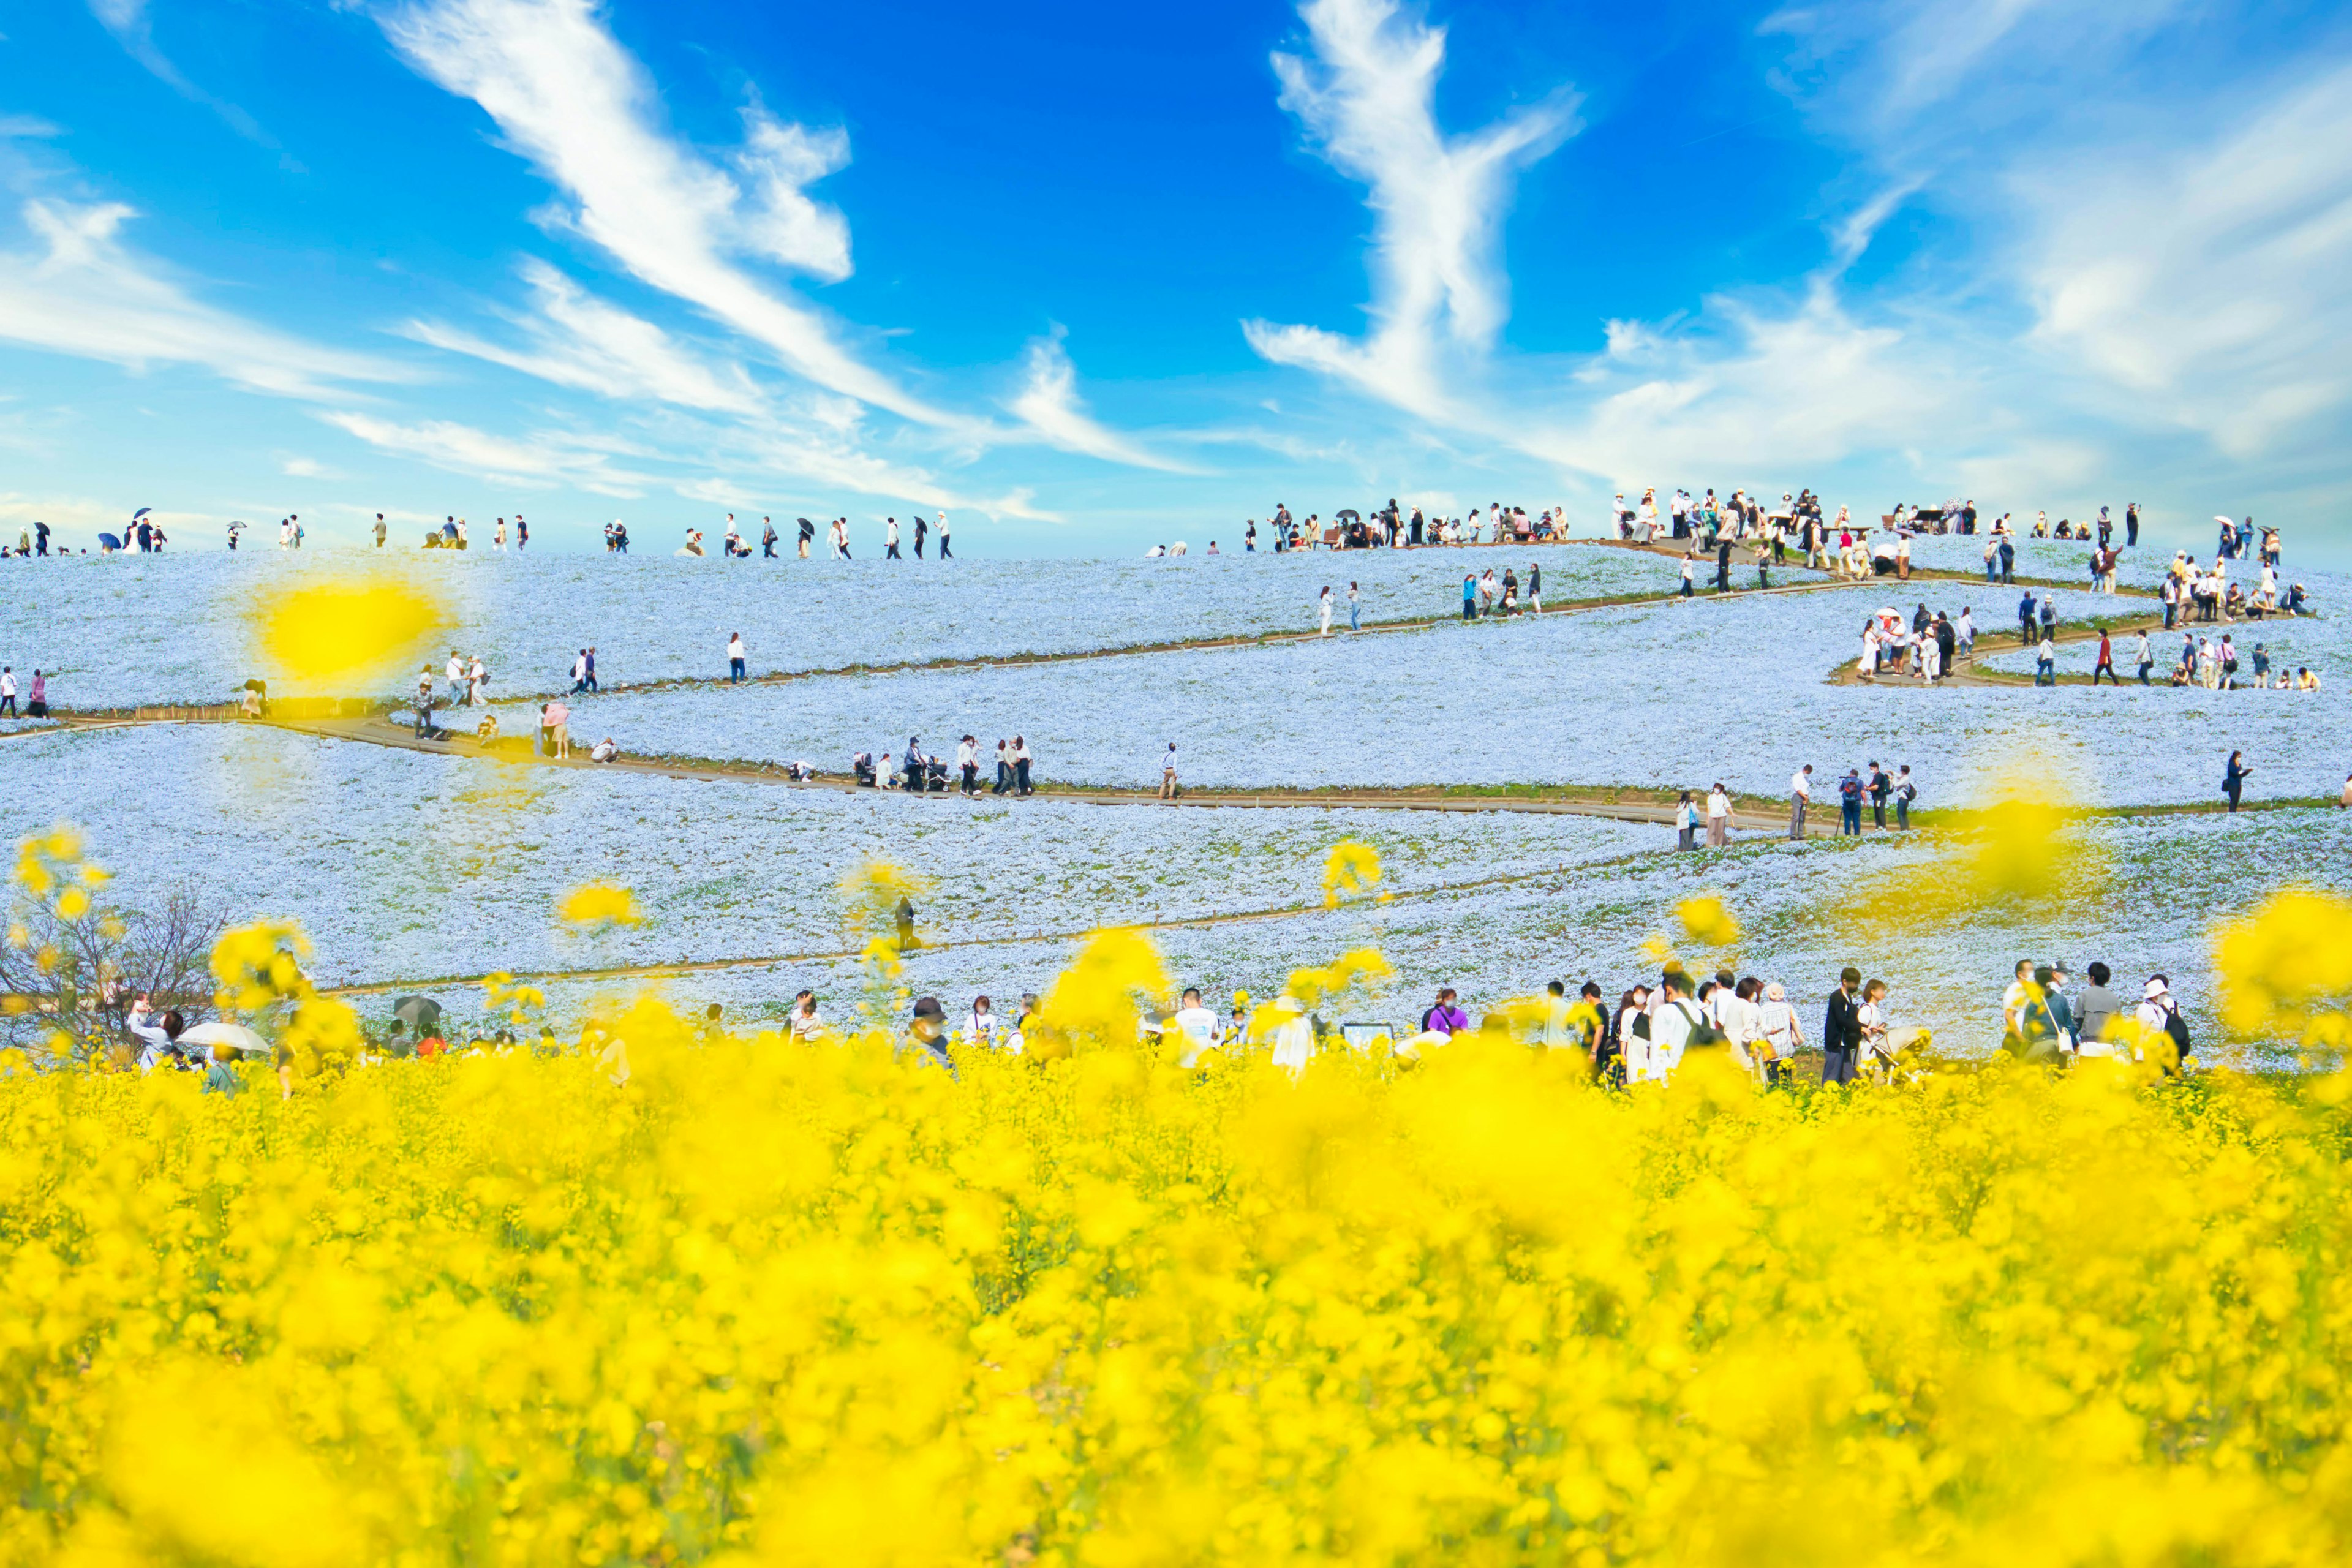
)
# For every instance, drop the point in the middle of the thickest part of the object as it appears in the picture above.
(927, 1031)
(1779, 1031)
(2158, 1015)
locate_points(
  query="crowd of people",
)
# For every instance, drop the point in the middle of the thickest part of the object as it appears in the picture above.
(920, 773)
(1649, 1033)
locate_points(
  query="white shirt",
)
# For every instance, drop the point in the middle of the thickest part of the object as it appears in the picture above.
(966, 755)
(1717, 804)
(1202, 1030)
(1776, 1022)
(1800, 785)
(734, 647)
(7, 686)
(1670, 1030)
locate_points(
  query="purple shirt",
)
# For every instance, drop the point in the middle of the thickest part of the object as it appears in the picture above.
(1445, 1020)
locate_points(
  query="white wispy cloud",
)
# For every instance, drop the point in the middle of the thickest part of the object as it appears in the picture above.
(1745, 386)
(128, 22)
(568, 97)
(1048, 403)
(2206, 281)
(81, 291)
(1367, 100)
(540, 462)
(577, 340)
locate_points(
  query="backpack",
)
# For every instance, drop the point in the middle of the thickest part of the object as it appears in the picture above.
(2177, 1027)
(1703, 1031)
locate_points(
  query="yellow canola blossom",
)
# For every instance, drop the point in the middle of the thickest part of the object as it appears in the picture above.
(597, 906)
(769, 1303)
(1349, 870)
(1708, 922)
(2286, 967)
(1095, 1001)
(349, 629)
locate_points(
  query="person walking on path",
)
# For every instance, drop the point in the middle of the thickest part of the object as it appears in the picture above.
(592, 668)
(734, 658)
(1849, 790)
(1800, 795)
(1690, 567)
(1323, 608)
(1020, 766)
(2045, 662)
(1469, 596)
(968, 765)
(1842, 1030)
(1355, 608)
(890, 539)
(807, 536)
(1718, 816)
(945, 553)
(1003, 770)
(8, 690)
(1906, 791)
(922, 531)
(767, 538)
(2234, 779)
(2107, 661)
(580, 672)
(2142, 657)
(1168, 772)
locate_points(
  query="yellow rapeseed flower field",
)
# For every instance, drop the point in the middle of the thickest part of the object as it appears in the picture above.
(777, 1302)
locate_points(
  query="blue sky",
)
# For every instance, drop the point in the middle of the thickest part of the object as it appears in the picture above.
(1091, 277)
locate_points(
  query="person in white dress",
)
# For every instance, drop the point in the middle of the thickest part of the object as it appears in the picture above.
(1292, 1037)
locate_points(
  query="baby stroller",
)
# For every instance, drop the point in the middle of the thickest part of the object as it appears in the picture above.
(861, 767)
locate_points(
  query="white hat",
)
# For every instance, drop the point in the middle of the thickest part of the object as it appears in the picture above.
(2154, 989)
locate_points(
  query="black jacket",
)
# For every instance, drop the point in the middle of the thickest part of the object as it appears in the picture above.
(1842, 1030)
